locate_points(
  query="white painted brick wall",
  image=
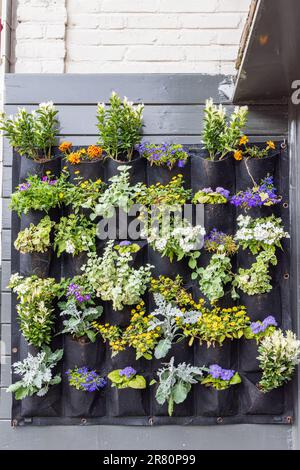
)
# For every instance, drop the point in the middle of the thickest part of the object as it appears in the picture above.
(122, 36)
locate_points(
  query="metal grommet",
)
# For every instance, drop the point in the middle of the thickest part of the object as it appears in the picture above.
(151, 421)
(283, 145)
(285, 205)
(286, 276)
(83, 421)
(288, 419)
(219, 420)
(14, 423)
(14, 350)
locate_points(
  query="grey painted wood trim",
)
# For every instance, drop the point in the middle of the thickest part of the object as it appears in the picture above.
(5, 275)
(5, 371)
(6, 214)
(5, 404)
(6, 245)
(169, 119)
(5, 307)
(94, 88)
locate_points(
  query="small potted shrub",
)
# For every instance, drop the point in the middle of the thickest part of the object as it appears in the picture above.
(217, 211)
(120, 126)
(79, 312)
(126, 397)
(34, 245)
(74, 236)
(85, 162)
(255, 161)
(83, 397)
(165, 161)
(173, 387)
(33, 136)
(214, 396)
(213, 166)
(38, 387)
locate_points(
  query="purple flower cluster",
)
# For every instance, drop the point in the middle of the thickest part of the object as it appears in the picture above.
(259, 327)
(252, 197)
(76, 291)
(46, 179)
(217, 372)
(128, 372)
(87, 379)
(215, 236)
(24, 186)
(161, 152)
(125, 243)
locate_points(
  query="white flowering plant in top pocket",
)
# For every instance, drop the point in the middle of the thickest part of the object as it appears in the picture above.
(260, 234)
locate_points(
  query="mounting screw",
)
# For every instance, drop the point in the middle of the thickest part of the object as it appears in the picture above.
(285, 205)
(219, 420)
(288, 419)
(151, 421)
(14, 350)
(286, 276)
(83, 421)
(283, 145)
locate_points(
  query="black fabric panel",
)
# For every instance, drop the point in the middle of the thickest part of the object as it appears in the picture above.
(243, 403)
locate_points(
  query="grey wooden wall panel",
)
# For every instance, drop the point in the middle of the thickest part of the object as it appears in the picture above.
(5, 307)
(92, 89)
(5, 275)
(169, 119)
(5, 404)
(6, 244)
(6, 181)
(6, 214)
(5, 371)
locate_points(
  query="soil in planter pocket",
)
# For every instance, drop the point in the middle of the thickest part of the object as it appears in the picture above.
(35, 263)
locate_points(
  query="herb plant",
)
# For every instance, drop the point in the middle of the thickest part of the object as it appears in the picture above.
(85, 380)
(37, 374)
(35, 238)
(32, 134)
(119, 126)
(164, 155)
(279, 354)
(127, 378)
(209, 196)
(112, 277)
(220, 379)
(74, 234)
(175, 383)
(35, 307)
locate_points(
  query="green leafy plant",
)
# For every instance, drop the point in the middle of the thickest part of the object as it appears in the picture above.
(37, 374)
(78, 322)
(259, 234)
(39, 194)
(253, 151)
(127, 378)
(256, 279)
(175, 383)
(173, 291)
(119, 126)
(84, 194)
(161, 195)
(74, 234)
(209, 196)
(119, 194)
(35, 307)
(214, 277)
(35, 238)
(220, 379)
(279, 353)
(85, 380)
(32, 134)
(219, 136)
(113, 278)
(260, 329)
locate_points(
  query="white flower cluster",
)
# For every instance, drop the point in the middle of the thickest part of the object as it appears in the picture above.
(70, 247)
(268, 230)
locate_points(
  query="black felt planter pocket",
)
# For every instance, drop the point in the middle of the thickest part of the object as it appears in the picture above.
(137, 171)
(258, 168)
(127, 402)
(219, 216)
(181, 352)
(91, 170)
(32, 217)
(117, 317)
(255, 402)
(221, 355)
(181, 410)
(46, 406)
(31, 167)
(262, 305)
(248, 355)
(35, 263)
(206, 173)
(218, 403)
(83, 353)
(163, 266)
(161, 174)
(257, 212)
(72, 264)
(80, 404)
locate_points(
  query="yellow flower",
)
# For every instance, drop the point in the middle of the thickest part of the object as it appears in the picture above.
(76, 172)
(65, 146)
(94, 151)
(244, 140)
(238, 155)
(271, 145)
(61, 195)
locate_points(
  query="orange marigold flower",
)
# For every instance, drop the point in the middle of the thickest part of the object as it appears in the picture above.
(238, 155)
(244, 140)
(271, 145)
(94, 151)
(74, 158)
(65, 146)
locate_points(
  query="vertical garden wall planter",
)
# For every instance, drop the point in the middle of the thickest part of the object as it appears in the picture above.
(92, 170)
(255, 169)
(127, 402)
(206, 173)
(35, 263)
(220, 216)
(161, 174)
(137, 170)
(255, 402)
(47, 406)
(216, 403)
(31, 167)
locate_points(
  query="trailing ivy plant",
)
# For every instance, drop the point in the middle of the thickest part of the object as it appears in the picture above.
(32, 134)
(36, 374)
(35, 238)
(114, 279)
(74, 234)
(35, 307)
(175, 383)
(119, 126)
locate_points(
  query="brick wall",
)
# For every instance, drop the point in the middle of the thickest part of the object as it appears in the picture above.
(86, 36)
